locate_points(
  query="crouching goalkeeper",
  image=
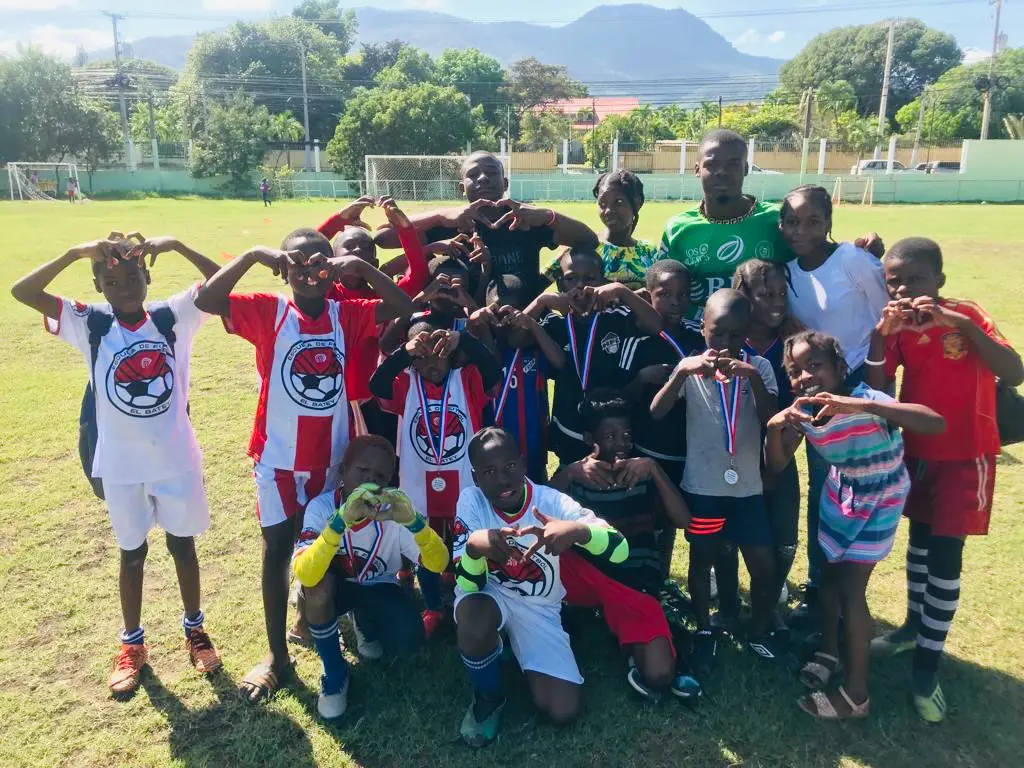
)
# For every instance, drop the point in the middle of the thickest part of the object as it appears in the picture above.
(347, 559)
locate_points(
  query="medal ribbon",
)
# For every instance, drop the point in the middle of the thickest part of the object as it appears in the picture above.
(730, 409)
(374, 549)
(584, 373)
(507, 385)
(675, 344)
(436, 442)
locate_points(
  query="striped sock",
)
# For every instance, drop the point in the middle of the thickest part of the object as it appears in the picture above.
(135, 637)
(327, 641)
(917, 580)
(941, 597)
(484, 672)
(195, 621)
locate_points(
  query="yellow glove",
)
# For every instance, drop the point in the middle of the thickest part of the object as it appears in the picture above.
(395, 505)
(360, 504)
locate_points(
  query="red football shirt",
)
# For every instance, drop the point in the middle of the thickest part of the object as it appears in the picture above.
(942, 370)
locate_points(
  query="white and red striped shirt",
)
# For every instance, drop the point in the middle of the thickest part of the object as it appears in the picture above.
(302, 418)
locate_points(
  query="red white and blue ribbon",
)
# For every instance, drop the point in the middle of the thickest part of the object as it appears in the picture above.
(378, 538)
(512, 366)
(730, 409)
(436, 441)
(675, 344)
(583, 371)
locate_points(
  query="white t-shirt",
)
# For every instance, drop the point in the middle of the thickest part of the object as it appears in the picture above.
(144, 431)
(369, 554)
(538, 580)
(844, 297)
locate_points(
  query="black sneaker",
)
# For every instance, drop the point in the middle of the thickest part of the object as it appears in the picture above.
(726, 621)
(685, 686)
(674, 596)
(804, 617)
(637, 683)
(770, 647)
(705, 649)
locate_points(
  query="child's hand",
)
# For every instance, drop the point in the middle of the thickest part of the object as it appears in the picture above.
(444, 343)
(555, 536)
(630, 472)
(459, 294)
(520, 216)
(480, 254)
(457, 247)
(608, 295)
(360, 504)
(894, 318)
(334, 267)
(583, 301)
(592, 471)
(791, 416)
(832, 405)
(419, 345)
(510, 317)
(705, 365)
(396, 216)
(484, 316)
(279, 262)
(352, 213)
(465, 219)
(153, 247)
(872, 243)
(730, 367)
(396, 506)
(929, 307)
(496, 544)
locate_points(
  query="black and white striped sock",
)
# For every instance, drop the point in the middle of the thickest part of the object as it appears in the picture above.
(941, 598)
(917, 581)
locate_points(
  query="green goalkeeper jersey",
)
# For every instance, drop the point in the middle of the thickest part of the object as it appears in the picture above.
(711, 250)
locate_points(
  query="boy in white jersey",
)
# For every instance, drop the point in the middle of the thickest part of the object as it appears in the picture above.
(302, 426)
(509, 534)
(147, 459)
(347, 559)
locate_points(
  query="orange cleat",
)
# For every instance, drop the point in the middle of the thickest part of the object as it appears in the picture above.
(431, 621)
(128, 665)
(201, 652)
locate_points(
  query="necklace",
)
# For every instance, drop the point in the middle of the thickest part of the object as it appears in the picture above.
(736, 220)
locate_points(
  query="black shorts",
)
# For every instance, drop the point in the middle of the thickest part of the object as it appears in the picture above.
(738, 520)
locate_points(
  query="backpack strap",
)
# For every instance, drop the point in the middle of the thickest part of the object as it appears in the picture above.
(163, 318)
(99, 324)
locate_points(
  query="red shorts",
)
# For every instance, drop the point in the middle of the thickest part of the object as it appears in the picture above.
(953, 497)
(633, 617)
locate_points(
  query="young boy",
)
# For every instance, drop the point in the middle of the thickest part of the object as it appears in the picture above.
(729, 397)
(630, 494)
(527, 353)
(951, 353)
(509, 535)
(304, 345)
(598, 324)
(347, 559)
(265, 191)
(437, 384)
(514, 233)
(146, 456)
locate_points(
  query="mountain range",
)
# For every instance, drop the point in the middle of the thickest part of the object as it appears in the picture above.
(660, 55)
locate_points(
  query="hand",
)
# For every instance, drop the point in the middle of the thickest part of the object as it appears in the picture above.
(931, 308)
(459, 294)
(593, 472)
(583, 301)
(496, 544)
(654, 375)
(630, 472)
(465, 219)
(444, 343)
(457, 247)
(395, 505)
(484, 316)
(644, 294)
(698, 365)
(831, 405)
(896, 316)
(112, 247)
(395, 215)
(360, 504)
(352, 214)
(608, 295)
(555, 536)
(791, 416)
(153, 247)
(280, 262)
(520, 216)
(872, 243)
(419, 345)
(334, 267)
(730, 367)
(480, 254)
(510, 317)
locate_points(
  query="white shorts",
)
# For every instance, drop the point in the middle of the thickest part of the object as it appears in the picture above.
(177, 504)
(535, 632)
(281, 494)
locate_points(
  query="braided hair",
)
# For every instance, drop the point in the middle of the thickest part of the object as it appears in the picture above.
(819, 196)
(626, 182)
(819, 341)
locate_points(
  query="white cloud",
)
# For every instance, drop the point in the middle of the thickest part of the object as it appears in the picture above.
(237, 6)
(59, 41)
(36, 5)
(746, 38)
(973, 55)
(776, 36)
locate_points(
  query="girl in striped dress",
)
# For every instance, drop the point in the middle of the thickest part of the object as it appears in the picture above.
(857, 433)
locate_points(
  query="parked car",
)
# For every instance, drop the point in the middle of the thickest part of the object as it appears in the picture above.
(943, 166)
(866, 167)
(759, 169)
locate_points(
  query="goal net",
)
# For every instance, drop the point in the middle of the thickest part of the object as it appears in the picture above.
(44, 182)
(418, 177)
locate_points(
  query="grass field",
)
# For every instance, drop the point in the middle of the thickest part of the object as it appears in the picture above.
(58, 570)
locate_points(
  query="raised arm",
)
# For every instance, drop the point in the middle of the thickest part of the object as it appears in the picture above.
(1001, 359)
(647, 319)
(153, 247)
(382, 382)
(671, 390)
(31, 289)
(911, 416)
(213, 295)
(477, 354)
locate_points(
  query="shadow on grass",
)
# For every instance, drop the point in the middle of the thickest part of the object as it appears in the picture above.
(229, 732)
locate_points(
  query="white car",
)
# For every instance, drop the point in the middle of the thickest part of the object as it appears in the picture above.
(759, 169)
(866, 167)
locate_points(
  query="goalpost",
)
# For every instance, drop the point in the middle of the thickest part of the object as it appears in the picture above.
(418, 177)
(40, 181)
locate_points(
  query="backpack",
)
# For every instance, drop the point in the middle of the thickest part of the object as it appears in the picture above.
(99, 324)
(1009, 414)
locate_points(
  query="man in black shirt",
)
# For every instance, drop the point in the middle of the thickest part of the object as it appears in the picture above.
(513, 233)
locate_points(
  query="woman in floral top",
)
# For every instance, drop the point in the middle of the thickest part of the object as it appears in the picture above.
(620, 195)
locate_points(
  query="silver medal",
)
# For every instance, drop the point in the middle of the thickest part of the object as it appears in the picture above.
(732, 476)
(438, 483)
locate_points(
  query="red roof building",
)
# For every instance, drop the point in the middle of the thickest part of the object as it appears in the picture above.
(601, 106)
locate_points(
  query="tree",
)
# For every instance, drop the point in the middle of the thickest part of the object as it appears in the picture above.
(475, 74)
(530, 83)
(859, 134)
(333, 21)
(412, 67)
(857, 55)
(100, 137)
(235, 138)
(361, 69)
(767, 121)
(424, 119)
(541, 131)
(1014, 125)
(640, 127)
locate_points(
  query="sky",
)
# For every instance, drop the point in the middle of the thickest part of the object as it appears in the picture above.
(777, 28)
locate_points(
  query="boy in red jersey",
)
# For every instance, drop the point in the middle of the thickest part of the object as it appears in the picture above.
(951, 353)
(303, 348)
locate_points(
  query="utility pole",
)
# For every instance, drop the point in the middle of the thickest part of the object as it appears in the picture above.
(152, 135)
(305, 106)
(719, 111)
(884, 105)
(128, 153)
(920, 128)
(986, 115)
(808, 111)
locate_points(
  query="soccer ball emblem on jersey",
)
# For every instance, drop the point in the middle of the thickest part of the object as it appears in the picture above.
(455, 434)
(140, 380)
(356, 566)
(313, 373)
(530, 578)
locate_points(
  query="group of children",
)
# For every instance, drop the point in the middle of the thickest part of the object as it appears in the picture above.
(407, 424)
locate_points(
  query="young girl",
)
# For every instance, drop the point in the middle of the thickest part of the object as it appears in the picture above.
(838, 289)
(855, 431)
(620, 196)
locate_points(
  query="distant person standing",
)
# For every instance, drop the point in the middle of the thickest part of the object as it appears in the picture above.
(72, 189)
(265, 191)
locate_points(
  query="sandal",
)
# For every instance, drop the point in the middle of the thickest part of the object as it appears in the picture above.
(262, 681)
(817, 673)
(819, 705)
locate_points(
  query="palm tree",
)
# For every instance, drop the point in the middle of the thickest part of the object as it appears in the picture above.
(1014, 125)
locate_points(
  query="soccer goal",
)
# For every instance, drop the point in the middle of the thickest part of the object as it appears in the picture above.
(45, 182)
(418, 177)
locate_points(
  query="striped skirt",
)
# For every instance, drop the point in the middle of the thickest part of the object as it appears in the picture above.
(858, 519)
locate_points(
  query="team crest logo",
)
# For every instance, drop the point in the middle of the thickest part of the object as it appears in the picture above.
(79, 308)
(529, 578)
(731, 251)
(313, 373)
(764, 250)
(140, 380)
(953, 346)
(354, 563)
(456, 429)
(529, 364)
(460, 533)
(610, 343)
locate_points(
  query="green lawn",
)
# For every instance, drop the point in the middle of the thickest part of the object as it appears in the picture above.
(58, 569)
